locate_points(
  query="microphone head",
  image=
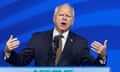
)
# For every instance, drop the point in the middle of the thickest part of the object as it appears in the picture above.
(56, 42)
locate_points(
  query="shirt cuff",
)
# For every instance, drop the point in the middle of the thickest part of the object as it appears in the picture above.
(7, 55)
(103, 60)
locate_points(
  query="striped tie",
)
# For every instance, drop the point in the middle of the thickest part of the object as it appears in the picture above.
(59, 50)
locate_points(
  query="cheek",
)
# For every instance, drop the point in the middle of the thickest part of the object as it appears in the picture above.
(70, 21)
(58, 19)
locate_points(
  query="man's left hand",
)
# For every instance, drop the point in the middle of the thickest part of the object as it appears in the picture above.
(99, 48)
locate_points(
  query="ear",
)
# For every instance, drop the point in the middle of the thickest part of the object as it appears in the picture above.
(72, 21)
(54, 18)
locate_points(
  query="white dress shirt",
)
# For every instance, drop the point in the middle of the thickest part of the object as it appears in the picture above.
(65, 36)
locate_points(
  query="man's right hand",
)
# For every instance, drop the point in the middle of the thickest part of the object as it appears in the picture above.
(11, 44)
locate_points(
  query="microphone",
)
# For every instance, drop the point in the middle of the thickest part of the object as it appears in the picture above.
(55, 46)
(56, 42)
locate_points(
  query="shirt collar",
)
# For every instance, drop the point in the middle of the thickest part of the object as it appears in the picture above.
(65, 34)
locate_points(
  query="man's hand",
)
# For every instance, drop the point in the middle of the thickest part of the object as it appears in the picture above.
(11, 44)
(99, 48)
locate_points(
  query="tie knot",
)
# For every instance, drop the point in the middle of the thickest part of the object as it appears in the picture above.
(60, 36)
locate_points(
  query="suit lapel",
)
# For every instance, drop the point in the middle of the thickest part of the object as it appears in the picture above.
(69, 42)
(67, 47)
(48, 44)
(49, 38)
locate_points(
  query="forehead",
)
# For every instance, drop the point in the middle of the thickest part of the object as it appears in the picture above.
(65, 8)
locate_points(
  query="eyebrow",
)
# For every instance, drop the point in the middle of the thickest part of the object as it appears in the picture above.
(63, 12)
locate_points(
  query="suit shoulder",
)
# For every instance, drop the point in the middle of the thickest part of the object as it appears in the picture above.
(41, 33)
(79, 37)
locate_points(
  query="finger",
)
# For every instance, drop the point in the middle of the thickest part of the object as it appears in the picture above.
(13, 40)
(15, 43)
(12, 48)
(105, 42)
(94, 50)
(97, 43)
(15, 46)
(12, 44)
(95, 47)
(11, 36)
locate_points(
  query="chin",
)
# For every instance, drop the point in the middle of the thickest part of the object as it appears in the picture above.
(63, 30)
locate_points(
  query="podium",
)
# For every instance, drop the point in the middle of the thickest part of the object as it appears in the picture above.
(55, 69)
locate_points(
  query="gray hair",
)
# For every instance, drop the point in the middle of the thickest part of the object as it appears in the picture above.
(56, 9)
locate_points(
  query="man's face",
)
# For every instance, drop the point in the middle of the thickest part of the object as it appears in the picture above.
(63, 18)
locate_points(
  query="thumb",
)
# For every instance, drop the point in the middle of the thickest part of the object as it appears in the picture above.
(11, 36)
(105, 42)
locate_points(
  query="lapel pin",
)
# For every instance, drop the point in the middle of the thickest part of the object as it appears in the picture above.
(71, 40)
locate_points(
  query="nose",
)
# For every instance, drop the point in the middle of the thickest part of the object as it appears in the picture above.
(64, 17)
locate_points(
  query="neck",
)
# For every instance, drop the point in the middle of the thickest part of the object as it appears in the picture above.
(61, 31)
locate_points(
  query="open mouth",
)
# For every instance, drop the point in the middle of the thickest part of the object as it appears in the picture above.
(63, 23)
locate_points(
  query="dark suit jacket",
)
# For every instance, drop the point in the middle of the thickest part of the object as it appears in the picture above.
(39, 48)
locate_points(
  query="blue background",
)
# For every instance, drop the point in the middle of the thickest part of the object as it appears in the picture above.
(94, 19)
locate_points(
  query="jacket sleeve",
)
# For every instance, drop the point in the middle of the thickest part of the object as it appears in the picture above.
(24, 57)
(89, 60)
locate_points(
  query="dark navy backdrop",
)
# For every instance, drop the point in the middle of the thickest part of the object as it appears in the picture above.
(94, 19)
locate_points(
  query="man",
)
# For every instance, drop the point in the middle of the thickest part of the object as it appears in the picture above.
(42, 45)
